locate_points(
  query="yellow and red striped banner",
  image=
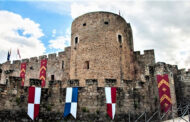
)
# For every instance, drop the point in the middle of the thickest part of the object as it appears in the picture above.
(22, 72)
(43, 72)
(164, 92)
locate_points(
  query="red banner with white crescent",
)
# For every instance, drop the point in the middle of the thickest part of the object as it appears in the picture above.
(22, 73)
(43, 72)
(164, 92)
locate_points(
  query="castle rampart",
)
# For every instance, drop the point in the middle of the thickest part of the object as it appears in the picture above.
(101, 54)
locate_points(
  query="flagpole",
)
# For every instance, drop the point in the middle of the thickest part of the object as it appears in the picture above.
(16, 56)
(159, 109)
(172, 113)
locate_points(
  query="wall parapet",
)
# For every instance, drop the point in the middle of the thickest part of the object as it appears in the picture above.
(91, 82)
(73, 83)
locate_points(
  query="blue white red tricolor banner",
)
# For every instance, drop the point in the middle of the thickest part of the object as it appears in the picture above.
(71, 102)
(34, 94)
(164, 92)
(111, 101)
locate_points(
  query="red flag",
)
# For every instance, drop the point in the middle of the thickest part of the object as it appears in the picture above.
(18, 53)
(23, 72)
(164, 92)
(111, 100)
(43, 72)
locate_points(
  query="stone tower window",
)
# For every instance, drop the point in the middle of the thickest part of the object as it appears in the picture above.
(63, 65)
(84, 24)
(76, 40)
(106, 22)
(120, 39)
(52, 77)
(86, 65)
(7, 81)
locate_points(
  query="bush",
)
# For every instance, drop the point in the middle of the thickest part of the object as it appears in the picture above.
(17, 100)
(84, 109)
(48, 108)
(97, 111)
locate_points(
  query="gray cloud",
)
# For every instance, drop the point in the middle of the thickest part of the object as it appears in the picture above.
(160, 25)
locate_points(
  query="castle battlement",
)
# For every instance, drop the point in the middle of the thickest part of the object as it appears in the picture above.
(101, 55)
(52, 56)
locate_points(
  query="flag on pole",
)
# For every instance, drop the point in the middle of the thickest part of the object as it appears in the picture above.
(164, 92)
(18, 53)
(34, 94)
(8, 56)
(111, 100)
(71, 102)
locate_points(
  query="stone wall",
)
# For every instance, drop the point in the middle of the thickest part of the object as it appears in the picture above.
(57, 65)
(97, 58)
(183, 87)
(163, 68)
(91, 101)
(133, 96)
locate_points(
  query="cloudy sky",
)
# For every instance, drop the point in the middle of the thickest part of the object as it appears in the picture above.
(37, 27)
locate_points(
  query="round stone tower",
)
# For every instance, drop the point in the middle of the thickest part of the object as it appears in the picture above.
(101, 48)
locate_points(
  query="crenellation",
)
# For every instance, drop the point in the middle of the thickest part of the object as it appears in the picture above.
(60, 54)
(67, 49)
(52, 56)
(111, 82)
(137, 54)
(42, 57)
(91, 82)
(16, 62)
(73, 83)
(34, 59)
(25, 60)
(35, 82)
(7, 63)
(55, 83)
(149, 52)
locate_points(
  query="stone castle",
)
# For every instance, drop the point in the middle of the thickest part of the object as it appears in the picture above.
(101, 54)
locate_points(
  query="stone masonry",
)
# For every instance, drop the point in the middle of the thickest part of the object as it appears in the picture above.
(101, 54)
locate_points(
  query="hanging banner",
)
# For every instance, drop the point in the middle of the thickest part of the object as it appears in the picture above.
(22, 73)
(43, 72)
(110, 93)
(34, 94)
(164, 92)
(71, 102)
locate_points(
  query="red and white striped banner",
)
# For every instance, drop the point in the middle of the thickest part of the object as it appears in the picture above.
(34, 95)
(111, 100)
